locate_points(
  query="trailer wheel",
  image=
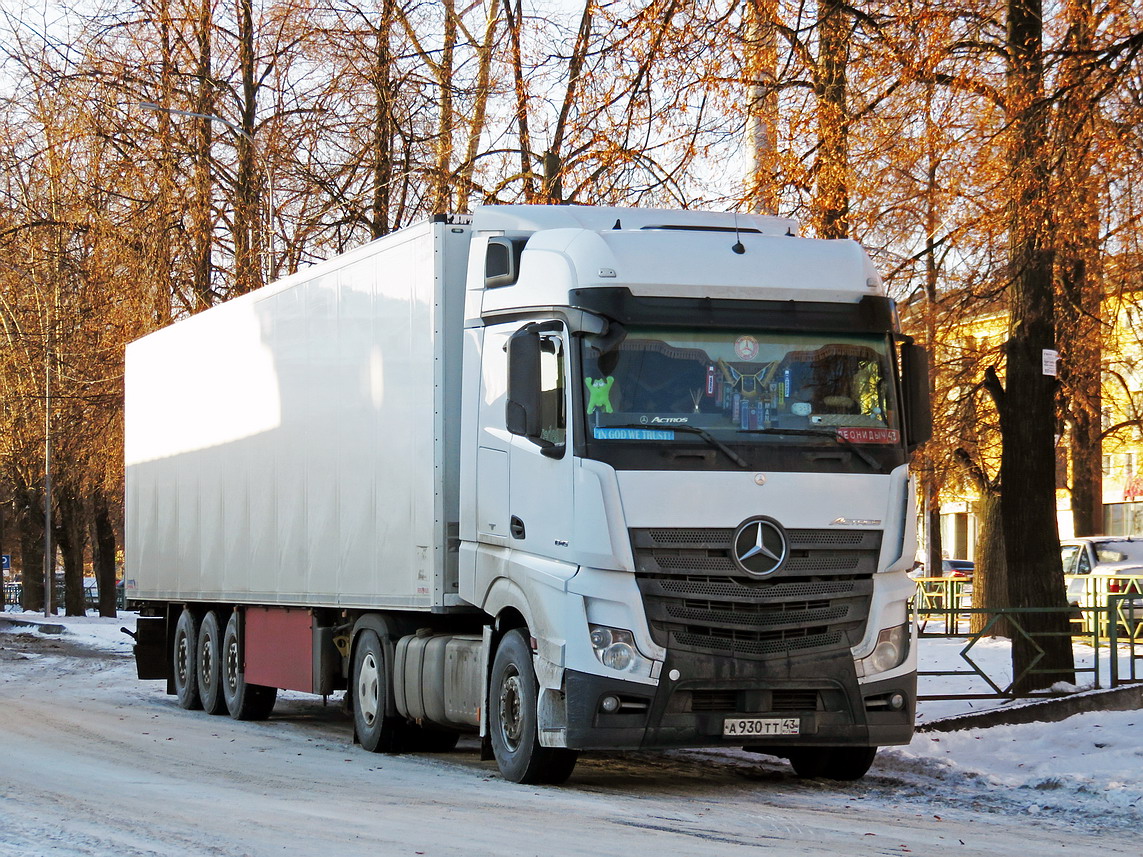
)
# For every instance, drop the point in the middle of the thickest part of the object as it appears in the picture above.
(184, 657)
(209, 663)
(512, 716)
(244, 701)
(832, 763)
(376, 731)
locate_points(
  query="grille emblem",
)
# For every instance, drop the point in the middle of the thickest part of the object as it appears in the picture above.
(760, 547)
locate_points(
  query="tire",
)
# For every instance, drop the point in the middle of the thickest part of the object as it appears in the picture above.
(512, 719)
(208, 670)
(184, 670)
(845, 764)
(244, 701)
(375, 729)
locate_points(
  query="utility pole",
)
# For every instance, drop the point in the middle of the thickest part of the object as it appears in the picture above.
(49, 558)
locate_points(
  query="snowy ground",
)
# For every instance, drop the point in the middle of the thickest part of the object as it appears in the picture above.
(1007, 790)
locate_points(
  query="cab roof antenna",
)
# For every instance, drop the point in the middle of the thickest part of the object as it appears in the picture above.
(738, 247)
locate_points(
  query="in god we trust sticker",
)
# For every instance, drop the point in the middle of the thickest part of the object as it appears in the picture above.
(746, 347)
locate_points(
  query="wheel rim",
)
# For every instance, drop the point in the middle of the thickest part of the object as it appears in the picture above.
(206, 661)
(182, 661)
(511, 721)
(369, 689)
(231, 666)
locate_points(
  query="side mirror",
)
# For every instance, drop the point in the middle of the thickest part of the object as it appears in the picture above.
(918, 409)
(522, 413)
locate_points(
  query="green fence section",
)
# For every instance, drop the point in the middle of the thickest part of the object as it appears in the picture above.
(1125, 612)
(1105, 625)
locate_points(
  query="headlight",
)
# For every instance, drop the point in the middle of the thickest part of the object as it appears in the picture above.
(616, 650)
(891, 650)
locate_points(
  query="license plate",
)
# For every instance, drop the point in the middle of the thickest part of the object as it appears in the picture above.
(750, 727)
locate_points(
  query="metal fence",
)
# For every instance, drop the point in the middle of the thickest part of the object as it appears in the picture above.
(13, 592)
(1106, 630)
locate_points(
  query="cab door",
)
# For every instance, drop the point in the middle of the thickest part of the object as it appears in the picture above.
(540, 459)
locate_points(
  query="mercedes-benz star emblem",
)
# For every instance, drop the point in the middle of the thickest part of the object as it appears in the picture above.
(760, 546)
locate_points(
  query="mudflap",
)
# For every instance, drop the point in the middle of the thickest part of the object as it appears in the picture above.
(151, 661)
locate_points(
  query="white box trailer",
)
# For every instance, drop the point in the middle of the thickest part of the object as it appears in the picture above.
(300, 445)
(567, 478)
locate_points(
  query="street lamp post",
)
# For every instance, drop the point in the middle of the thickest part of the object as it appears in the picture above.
(49, 557)
(240, 132)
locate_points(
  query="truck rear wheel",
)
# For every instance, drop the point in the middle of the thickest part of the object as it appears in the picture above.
(209, 665)
(376, 730)
(243, 701)
(512, 715)
(832, 763)
(184, 664)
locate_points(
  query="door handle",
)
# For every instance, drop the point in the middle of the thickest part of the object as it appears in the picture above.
(517, 527)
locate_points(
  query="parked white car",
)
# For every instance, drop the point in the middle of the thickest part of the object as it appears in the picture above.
(1098, 566)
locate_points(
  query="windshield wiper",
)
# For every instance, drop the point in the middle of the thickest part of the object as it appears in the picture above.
(840, 438)
(701, 432)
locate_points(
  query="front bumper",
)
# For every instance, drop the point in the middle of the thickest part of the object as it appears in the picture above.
(831, 707)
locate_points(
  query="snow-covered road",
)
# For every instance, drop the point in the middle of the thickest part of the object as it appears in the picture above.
(94, 762)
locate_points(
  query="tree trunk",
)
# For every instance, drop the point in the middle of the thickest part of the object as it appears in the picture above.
(514, 22)
(760, 62)
(1078, 271)
(446, 119)
(168, 220)
(384, 125)
(465, 185)
(831, 198)
(247, 191)
(990, 577)
(934, 549)
(103, 544)
(554, 164)
(1027, 405)
(71, 535)
(202, 221)
(30, 521)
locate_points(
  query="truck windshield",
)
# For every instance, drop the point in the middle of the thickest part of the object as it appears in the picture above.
(748, 389)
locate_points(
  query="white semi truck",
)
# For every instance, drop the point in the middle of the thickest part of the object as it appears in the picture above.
(567, 478)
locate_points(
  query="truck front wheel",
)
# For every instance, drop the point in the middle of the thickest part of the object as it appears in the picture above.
(184, 667)
(512, 712)
(243, 701)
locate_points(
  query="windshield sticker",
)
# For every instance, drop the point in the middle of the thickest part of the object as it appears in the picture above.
(855, 434)
(602, 433)
(599, 394)
(746, 348)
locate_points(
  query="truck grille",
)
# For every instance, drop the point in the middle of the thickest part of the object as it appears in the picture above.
(715, 700)
(698, 599)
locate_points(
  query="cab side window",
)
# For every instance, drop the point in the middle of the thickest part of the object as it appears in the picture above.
(553, 415)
